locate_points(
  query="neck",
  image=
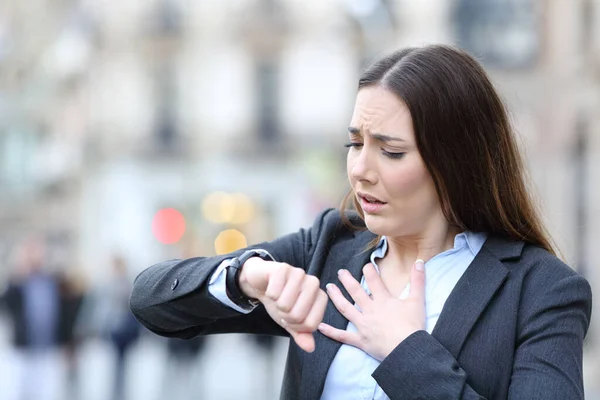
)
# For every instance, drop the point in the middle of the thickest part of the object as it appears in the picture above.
(403, 251)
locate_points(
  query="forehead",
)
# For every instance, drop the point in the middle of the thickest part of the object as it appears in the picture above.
(379, 110)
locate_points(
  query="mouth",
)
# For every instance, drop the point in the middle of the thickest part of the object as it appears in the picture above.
(369, 199)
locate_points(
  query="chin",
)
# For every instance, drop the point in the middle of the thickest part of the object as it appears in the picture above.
(377, 225)
(387, 227)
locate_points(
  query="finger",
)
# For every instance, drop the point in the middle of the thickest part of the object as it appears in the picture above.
(291, 290)
(343, 306)
(340, 335)
(314, 317)
(316, 313)
(305, 301)
(277, 279)
(358, 294)
(374, 282)
(417, 281)
(304, 340)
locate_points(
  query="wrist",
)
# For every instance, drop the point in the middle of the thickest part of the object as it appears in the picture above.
(245, 287)
(244, 295)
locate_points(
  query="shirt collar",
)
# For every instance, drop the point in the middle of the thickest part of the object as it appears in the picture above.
(380, 249)
(473, 240)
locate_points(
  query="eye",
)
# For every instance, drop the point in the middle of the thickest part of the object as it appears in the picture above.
(353, 144)
(394, 156)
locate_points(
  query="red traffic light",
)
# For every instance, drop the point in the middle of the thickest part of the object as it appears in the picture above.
(168, 225)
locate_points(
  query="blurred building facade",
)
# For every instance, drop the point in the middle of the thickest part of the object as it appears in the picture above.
(110, 111)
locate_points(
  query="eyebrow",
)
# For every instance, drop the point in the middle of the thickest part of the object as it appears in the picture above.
(377, 136)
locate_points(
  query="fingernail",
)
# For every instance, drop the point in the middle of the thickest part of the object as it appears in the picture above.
(341, 271)
(283, 322)
(328, 286)
(420, 265)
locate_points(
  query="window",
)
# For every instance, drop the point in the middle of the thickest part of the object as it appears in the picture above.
(267, 75)
(581, 182)
(166, 129)
(504, 33)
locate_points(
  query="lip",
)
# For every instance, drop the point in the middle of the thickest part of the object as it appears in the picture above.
(370, 208)
(368, 197)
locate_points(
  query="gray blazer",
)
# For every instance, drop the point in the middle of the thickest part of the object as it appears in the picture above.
(513, 327)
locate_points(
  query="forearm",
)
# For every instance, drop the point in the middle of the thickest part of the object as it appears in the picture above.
(173, 299)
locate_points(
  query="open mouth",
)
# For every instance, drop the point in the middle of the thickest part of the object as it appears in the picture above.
(370, 199)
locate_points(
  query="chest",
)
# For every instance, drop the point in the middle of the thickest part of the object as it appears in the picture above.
(394, 279)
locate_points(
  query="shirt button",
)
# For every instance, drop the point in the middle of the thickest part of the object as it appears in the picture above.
(174, 284)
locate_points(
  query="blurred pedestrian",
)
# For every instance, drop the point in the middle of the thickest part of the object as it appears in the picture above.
(105, 314)
(34, 304)
(181, 374)
(71, 293)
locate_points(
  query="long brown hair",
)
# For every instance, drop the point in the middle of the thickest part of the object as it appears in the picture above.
(466, 141)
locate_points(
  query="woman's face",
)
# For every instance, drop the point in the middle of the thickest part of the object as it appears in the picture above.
(385, 169)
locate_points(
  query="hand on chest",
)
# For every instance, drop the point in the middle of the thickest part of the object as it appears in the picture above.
(441, 279)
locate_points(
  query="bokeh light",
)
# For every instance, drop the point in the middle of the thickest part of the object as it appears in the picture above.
(168, 225)
(244, 210)
(218, 207)
(221, 208)
(230, 240)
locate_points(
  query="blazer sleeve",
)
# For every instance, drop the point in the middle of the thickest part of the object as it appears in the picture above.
(548, 356)
(432, 373)
(172, 298)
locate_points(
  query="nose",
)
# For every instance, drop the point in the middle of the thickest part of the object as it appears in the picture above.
(362, 168)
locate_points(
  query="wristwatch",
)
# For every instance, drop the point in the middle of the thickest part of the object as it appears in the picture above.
(232, 280)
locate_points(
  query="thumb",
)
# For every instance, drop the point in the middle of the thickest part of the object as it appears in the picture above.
(417, 280)
(304, 340)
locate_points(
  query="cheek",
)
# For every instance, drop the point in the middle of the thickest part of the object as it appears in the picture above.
(413, 184)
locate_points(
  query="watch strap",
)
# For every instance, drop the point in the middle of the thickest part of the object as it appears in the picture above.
(232, 280)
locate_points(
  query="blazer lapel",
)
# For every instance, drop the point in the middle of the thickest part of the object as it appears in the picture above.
(351, 256)
(473, 292)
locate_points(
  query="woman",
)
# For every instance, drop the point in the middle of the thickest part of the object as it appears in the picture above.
(442, 285)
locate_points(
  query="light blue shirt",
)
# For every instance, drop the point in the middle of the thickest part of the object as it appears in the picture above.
(349, 376)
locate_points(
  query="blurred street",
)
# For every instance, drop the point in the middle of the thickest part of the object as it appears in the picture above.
(257, 374)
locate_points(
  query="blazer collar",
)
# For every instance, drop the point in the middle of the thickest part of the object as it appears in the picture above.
(471, 295)
(503, 248)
